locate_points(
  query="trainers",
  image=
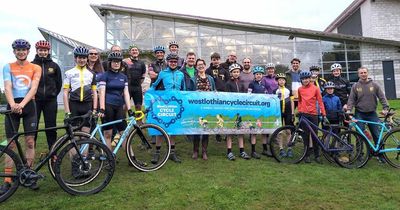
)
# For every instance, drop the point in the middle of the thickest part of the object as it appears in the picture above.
(231, 156)
(34, 186)
(307, 159)
(266, 153)
(4, 188)
(318, 160)
(343, 159)
(289, 153)
(282, 153)
(174, 157)
(381, 159)
(156, 157)
(244, 155)
(255, 155)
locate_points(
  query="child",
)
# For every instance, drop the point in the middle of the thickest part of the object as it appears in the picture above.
(256, 86)
(235, 85)
(309, 95)
(332, 105)
(287, 109)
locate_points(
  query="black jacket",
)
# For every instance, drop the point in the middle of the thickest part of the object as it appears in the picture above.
(136, 70)
(235, 85)
(50, 81)
(220, 76)
(227, 64)
(158, 66)
(342, 88)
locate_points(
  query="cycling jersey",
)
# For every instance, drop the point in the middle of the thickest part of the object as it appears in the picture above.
(81, 82)
(114, 83)
(21, 77)
(308, 97)
(170, 79)
(285, 96)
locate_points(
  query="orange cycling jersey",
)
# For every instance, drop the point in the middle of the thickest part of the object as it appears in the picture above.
(21, 77)
(308, 97)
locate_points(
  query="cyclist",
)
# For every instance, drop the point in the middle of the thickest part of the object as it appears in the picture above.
(114, 93)
(319, 81)
(80, 95)
(21, 81)
(171, 79)
(269, 81)
(136, 73)
(246, 75)
(309, 95)
(363, 97)
(159, 64)
(293, 81)
(188, 69)
(332, 105)
(173, 47)
(115, 48)
(48, 90)
(342, 85)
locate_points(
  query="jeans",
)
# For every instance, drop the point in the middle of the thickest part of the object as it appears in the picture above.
(369, 116)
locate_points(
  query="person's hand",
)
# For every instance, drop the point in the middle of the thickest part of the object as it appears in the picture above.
(345, 107)
(67, 115)
(131, 113)
(101, 113)
(384, 112)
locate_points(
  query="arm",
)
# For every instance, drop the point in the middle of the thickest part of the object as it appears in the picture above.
(352, 98)
(58, 79)
(66, 101)
(250, 89)
(34, 86)
(381, 97)
(94, 92)
(320, 102)
(127, 98)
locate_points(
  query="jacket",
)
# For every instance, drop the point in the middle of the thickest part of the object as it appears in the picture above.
(257, 87)
(342, 88)
(308, 97)
(293, 82)
(186, 75)
(51, 81)
(235, 85)
(135, 73)
(227, 64)
(157, 66)
(332, 106)
(364, 95)
(220, 76)
(170, 79)
(269, 83)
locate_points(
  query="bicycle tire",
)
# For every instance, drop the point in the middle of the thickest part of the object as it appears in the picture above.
(356, 157)
(140, 152)
(297, 147)
(328, 155)
(17, 166)
(392, 141)
(86, 169)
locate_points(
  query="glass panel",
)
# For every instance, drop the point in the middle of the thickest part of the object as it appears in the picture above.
(163, 41)
(307, 46)
(234, 40)
(352, 46)
(353, 55)
(117, 15)
(333, 56)
(187, 42)
(280, 38)
(186, 24)
(282, 53)
(163, 28)
(141, 28)
(210, 31)
(353, 66)
(207, 51)
(258, 38)
(143, 44)
(119, 23)
(186, 31)
(327, 66)
(353, 77)
(309, 57)
(331, 46)
(226, 31)
(117, 34)
(210, 41)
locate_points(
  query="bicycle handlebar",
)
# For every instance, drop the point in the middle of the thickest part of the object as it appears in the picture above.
(86, 118)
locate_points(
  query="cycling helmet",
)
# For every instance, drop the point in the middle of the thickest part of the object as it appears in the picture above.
(280, 75)
(115, 56)
(305, 74)
(159, 48)
(233, 67)
(172, 56)
(43, 44)
(21, 44)
(173, 43)
(270, 65)
(258, 69)
(336, 66)
(315, 68)
(133, 46)
(329, 85)
(81, 51)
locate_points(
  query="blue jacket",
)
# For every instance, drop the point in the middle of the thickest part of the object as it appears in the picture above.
(170, 80)
(257, 87)
(333, 106)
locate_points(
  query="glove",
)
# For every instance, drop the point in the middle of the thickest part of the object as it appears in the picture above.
(67, 115)
(131, 113)
(325, 120)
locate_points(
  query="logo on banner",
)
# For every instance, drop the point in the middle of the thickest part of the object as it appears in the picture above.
(166, 111)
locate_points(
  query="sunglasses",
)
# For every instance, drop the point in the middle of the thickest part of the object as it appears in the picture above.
(172, 61)
(93, 53)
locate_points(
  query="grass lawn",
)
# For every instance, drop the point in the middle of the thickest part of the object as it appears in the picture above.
(222, 184)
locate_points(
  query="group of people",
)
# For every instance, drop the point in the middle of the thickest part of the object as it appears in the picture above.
(108, 87)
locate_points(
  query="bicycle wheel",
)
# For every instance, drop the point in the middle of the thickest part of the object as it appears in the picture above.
(9, 177)
(143, 155)
(87, 172)
(287, 145)
(353, 150)
(392, 141)
(62, 142)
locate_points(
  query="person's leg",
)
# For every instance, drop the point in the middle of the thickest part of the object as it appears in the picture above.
(243, 154)
(11, 124)
(229, 152)
(315, 120)
(40, 106)
(204, 144)
(50, 120)
(196, 142)
(30, 124)
(253, 147)
(173, 156)
(306, 137)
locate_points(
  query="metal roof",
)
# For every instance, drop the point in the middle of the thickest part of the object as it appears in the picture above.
(101, 11)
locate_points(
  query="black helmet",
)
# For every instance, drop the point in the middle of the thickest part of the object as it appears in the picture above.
(81, 51)
(115, 56)
(172, 56)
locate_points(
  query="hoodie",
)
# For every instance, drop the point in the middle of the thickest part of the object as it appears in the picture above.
(50, 81)
(363, 96)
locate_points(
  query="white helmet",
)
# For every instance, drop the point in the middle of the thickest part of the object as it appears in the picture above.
(233, 67)
(336, 66)
(270, 65)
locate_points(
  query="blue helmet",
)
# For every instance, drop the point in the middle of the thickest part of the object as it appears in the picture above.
(21, 44)
(258, 69)
(159, 48)
(305, 74)
(115, 56)
(81, 51)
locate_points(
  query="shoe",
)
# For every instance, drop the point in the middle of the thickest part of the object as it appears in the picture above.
(174, 157)
(289, 153)
(343, 159)
(34, 186)
(244, 155)
(205, 156)
(307, 159)
(318, 160)
(4, 188)
(282, 153)
(381, 159)
(195, 155)
(255, 155)
(267, 153)
(156, 157)
(230, 156)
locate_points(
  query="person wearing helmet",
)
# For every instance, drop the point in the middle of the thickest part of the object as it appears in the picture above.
(136, 73)
(342, 85)
(188, 69)
(21, 81)
(173, 47)
(246, 75)
(269, 80)
(106, 63)
(332, 105)
(293, 81)
(319, 81)
(159, 64)
(235, 85)
(309, 96)
(80, 95)
(48, 90)
(287, 113)
(256, 86)
(114, 93)
(169, 79)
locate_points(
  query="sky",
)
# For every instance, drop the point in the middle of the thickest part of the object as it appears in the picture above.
(77, 20)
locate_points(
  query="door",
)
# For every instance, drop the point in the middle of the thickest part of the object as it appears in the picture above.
(389, 80)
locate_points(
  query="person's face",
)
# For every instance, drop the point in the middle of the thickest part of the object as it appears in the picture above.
(115, 64)
(295, 65)
(246, 64)
(329, 90)
(336, 72)
(116, 49)
(160, 55)
(258, 76)
(134, 52)
(43, 53)
(313, 78)
(191, 60)
(215, 61)
(281, 82)
(93, 55)
(21, 54)
(235, 73)
(314, 72)
(173, 63)
(81, 61)
(201, 67)
(270, 71)
(232, 57)
(173, 49)
(305, 81)
(363, 74)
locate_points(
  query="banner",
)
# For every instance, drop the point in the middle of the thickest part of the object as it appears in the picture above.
(195, 112)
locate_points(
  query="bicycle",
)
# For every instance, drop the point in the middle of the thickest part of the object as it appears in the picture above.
(334, 146)
(70, 166)
(388, 145)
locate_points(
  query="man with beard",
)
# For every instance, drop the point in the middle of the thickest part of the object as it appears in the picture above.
(232, 58)
(246, 75)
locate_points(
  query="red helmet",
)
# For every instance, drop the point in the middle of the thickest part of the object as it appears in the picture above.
(43, 44)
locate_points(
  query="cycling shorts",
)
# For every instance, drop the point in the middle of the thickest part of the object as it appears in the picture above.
(28, 115)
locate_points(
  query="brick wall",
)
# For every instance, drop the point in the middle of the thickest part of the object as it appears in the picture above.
(384, 19)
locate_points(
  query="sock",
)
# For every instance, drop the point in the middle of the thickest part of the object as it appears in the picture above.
(8, 171)
(229, 151)
(253, 147)
(241, 150)
(265, 146)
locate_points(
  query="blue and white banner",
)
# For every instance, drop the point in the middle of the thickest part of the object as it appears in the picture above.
(195, 112)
